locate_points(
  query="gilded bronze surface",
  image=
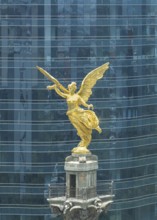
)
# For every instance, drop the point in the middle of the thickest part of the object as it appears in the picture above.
(83, 120)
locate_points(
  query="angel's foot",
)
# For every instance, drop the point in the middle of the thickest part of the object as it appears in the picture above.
(80, 150)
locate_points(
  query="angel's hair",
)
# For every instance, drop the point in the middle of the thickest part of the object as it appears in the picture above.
(71, 84)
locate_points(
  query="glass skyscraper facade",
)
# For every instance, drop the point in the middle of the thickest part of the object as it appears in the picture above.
(69, 38)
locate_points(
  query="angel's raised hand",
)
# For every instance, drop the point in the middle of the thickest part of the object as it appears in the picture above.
(51, 87)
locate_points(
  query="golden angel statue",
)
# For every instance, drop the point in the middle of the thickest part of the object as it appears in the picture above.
(83, 120)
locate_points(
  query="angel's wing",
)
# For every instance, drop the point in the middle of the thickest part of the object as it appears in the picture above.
(90, 80)
(53, 79)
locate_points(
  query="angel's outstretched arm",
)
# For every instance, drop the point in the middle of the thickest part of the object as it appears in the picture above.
(53, 79)
(85, 104)
(63, 95)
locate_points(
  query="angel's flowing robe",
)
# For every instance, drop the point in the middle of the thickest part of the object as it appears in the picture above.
(84, 121)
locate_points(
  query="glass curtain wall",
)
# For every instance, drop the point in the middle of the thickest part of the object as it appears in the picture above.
(69, 38)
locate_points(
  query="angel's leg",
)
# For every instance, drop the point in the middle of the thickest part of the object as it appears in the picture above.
(85, 141)
(82, 146)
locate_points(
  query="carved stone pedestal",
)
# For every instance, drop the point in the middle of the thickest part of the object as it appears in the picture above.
(81, 201)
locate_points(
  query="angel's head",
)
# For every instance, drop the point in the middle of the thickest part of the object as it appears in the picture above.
(72, 87)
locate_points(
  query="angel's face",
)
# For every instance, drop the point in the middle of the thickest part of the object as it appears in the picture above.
(72, 88)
